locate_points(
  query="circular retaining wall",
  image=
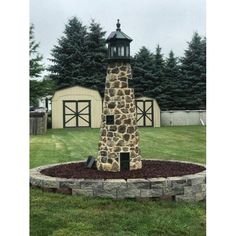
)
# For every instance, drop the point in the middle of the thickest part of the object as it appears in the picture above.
(180, 188)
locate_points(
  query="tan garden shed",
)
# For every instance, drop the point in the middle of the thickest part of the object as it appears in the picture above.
(76, 107)
(148, 112)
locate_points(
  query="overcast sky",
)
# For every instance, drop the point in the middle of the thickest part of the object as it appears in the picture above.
(170, 23)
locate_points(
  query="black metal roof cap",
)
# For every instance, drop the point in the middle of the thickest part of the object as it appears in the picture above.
(118, 34)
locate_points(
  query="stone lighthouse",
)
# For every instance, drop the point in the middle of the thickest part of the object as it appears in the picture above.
(119, 138)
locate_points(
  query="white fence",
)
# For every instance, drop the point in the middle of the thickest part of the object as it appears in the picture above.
(184, 117)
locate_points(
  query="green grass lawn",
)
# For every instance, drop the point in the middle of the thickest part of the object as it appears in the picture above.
(58, 215)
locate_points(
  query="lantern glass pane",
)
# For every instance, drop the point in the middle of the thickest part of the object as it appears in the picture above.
(111, 50)
(127, 50)
(119, 51)
(122, 51)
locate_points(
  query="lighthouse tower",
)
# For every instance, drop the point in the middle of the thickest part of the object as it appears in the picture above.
(119, 138)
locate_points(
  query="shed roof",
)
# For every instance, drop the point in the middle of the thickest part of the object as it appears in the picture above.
(61, 90)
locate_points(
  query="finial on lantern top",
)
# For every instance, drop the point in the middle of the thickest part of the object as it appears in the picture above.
(118, 25)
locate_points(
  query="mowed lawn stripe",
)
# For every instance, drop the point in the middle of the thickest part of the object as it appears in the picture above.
(180, 143)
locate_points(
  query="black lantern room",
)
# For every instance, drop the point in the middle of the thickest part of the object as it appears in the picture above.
(118, 45)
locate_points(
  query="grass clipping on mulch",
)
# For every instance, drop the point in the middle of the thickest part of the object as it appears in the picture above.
(150, 169)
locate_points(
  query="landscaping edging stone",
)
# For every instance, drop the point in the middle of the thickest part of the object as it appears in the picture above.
(187, 188)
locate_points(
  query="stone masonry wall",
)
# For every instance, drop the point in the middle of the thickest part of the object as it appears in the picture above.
(122, 136)
(188, 188)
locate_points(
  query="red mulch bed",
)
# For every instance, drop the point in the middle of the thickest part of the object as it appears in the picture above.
(151, 169)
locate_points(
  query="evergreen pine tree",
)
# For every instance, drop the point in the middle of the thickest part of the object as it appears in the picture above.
(158, 74)
(96, 57)
(36, 68)
(41, 88)
(144, 80)
(69, 56)
(170, 84)
(35, 64)
(193, 70)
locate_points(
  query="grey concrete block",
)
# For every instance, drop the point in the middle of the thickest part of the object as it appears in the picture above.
(128, 193)
(36, 180)
(50, 183)
(138, 183)
(83, 192)
(71, 183)
(200, 196)
(111, 184)
(203, 187)
(195, 179)
(158, 182)
(89, 183)
(104, 193)
(197, 188)
(176, 180)
(148, 193)
(168, 191)
(188, 190)
(176, 184)
(178, 189)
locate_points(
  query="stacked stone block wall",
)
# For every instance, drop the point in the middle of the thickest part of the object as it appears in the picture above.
(188, 188)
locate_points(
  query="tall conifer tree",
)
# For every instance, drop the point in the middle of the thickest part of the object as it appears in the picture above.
(40, 88)
(96, 57)
(193, 70)
(36, 68)
(36, 65)
(158, 71)
(68, 57)
(170, 84)
(79, 57)
(144, 79)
